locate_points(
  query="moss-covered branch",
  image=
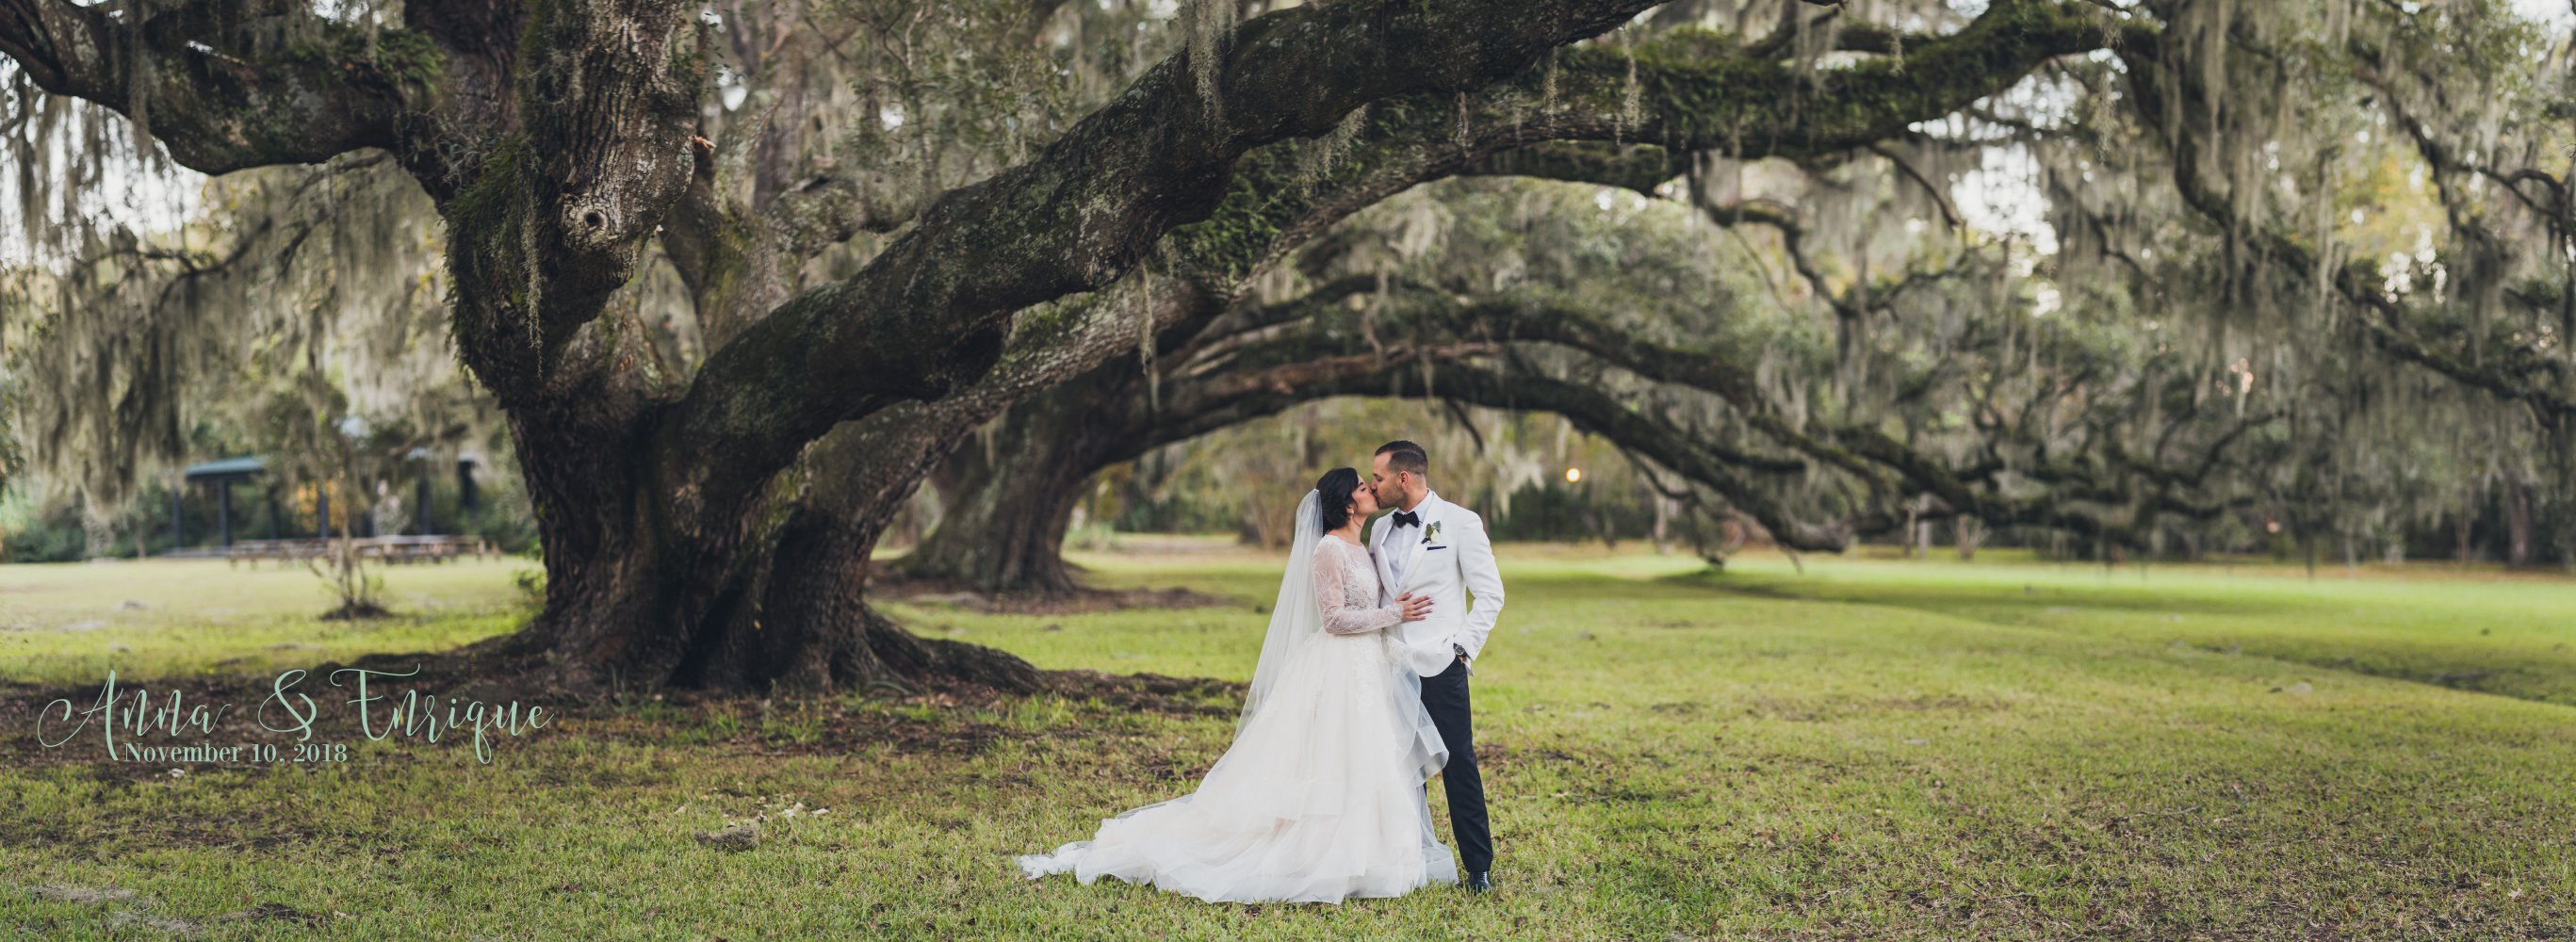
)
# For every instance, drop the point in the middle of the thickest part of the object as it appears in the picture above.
(205, 80)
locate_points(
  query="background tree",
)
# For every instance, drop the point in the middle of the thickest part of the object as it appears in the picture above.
(2328, 382)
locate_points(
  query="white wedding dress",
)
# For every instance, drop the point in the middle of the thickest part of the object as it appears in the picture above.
(1320, 797)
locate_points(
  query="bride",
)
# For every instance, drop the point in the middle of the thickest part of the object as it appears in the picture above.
(1320, 797)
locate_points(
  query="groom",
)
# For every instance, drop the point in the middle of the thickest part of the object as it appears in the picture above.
(1432, 547)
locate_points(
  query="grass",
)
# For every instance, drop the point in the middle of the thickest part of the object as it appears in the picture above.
(1872, 749)
(69, 623)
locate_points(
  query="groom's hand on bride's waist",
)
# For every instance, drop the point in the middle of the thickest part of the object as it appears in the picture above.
(1416, 607)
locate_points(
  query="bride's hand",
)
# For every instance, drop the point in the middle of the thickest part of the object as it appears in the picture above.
(1416, 607)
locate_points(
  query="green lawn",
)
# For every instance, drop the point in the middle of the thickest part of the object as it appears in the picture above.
(1875, 748)
(69, 623)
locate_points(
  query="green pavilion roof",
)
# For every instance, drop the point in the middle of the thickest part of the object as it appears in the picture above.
(246, 464)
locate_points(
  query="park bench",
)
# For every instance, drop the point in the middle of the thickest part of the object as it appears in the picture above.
(411, 549)
(280, 550)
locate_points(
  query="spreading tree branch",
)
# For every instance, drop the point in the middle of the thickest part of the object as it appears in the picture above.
(196, 78)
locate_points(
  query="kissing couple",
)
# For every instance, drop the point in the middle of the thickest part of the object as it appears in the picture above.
(1359, 699)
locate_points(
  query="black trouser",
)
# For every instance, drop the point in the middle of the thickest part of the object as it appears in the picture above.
(1444, 695)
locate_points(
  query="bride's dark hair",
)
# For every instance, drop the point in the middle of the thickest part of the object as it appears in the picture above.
(1333, 497)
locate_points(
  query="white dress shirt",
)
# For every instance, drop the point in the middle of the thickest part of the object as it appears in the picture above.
(1395, 563)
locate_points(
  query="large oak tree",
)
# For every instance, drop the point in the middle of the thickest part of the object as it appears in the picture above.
(708, 520)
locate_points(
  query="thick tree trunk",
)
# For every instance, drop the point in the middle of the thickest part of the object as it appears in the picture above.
(785, 611)
(793, 619)
(1005, 525)
(1015, 491)
(813, 630)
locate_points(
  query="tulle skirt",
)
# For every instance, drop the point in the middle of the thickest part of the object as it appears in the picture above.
(1319, 799)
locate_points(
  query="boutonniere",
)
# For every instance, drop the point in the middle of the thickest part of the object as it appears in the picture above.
(1431, 533)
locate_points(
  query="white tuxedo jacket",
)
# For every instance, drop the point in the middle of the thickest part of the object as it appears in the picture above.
(1445, 558)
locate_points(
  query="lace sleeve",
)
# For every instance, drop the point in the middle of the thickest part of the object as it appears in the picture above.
(1332, 584)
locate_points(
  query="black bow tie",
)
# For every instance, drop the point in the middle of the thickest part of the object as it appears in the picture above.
(1407, 518)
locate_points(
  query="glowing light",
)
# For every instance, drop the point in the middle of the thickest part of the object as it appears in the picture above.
(1573, 475)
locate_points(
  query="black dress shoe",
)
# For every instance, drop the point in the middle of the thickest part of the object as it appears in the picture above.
(1478, 882)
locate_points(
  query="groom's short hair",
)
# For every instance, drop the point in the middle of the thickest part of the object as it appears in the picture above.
(1402, 455)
